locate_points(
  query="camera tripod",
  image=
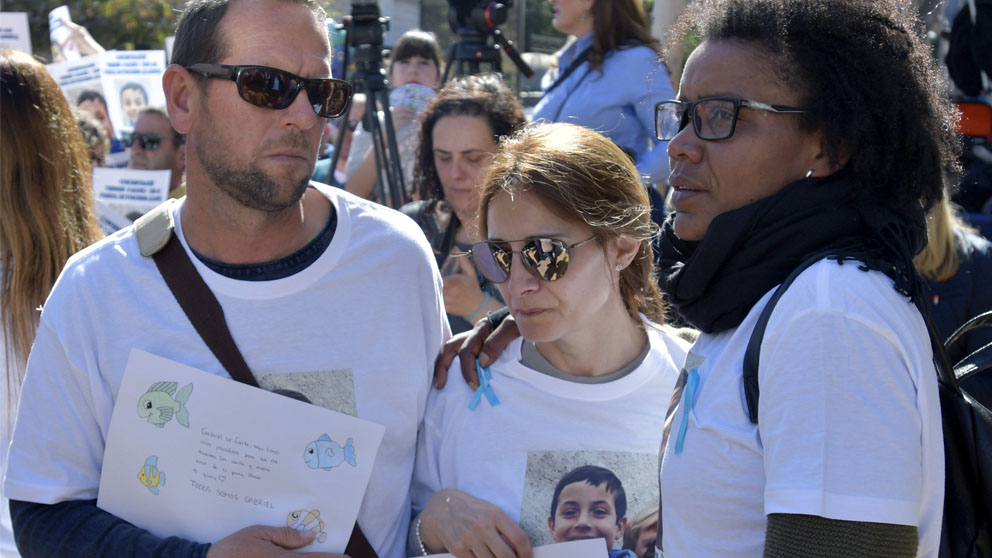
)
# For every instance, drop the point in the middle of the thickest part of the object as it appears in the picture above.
(369, 78)
(473, 25)
(469, 54)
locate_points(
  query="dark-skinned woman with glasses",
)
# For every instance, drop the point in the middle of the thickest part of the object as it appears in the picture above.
(803, 131)
(566, 230)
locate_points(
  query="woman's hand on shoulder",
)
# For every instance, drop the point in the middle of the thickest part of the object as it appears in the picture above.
(482, 343)
(466, 526)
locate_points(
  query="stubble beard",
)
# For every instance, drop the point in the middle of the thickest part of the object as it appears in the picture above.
(248, 185)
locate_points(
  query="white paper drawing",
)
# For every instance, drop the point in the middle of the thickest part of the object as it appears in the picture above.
(239, 460)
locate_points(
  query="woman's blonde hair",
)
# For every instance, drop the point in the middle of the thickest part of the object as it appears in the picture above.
(46, 181)
(939, 259)
(583, 177)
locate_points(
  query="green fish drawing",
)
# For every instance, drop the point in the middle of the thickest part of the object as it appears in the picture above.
(161, 402)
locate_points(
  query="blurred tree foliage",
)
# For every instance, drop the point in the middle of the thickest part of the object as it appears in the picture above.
(115, 24)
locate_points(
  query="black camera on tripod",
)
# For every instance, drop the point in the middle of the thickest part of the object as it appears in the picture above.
(365, 30)
(467, 17)
(473, 21)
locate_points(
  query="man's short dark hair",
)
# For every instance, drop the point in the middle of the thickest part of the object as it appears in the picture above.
(595, 476)
(177, 138)
(91, 95)
(197, 37)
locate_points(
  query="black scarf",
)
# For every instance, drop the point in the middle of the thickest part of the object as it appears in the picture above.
(714, 283)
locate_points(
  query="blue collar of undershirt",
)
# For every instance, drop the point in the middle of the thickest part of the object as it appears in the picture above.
(281, 268)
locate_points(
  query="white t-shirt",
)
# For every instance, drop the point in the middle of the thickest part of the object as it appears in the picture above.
(848, 420)
(367, 317)
(513, 454)
(8, 408)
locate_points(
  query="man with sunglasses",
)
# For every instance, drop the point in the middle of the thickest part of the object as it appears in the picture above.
(309, 278)
(156, 145)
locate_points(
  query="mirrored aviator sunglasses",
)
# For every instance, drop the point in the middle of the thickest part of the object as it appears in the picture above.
(544, 258)
(273, 88)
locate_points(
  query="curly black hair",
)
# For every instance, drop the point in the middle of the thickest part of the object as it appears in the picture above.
(480, 95)
(866, 78)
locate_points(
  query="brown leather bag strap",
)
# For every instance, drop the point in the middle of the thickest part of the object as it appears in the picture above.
(358, 545)
(202, 308)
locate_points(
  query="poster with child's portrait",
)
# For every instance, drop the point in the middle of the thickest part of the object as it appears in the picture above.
(133, 80)
(571, 495)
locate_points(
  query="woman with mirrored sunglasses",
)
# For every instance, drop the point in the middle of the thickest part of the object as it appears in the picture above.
(567, 230)
(804, 129)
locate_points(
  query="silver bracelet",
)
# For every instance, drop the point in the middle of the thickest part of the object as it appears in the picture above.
(420, 542)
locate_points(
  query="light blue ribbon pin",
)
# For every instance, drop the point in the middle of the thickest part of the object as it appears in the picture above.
(688, 400)
(485, 388)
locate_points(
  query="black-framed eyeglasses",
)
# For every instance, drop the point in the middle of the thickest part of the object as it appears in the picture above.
(713, 118)
(148, 142)
(545, 258)
(273, 88)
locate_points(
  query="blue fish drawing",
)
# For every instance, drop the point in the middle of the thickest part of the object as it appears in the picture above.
(326, 454)
(150, 476)
(161, 402)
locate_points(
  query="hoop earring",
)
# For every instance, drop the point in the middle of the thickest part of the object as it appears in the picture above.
(809, 173)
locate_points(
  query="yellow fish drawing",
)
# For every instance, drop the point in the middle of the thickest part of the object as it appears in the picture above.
(150, 476)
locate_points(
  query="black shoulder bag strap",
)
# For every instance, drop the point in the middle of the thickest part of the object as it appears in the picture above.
(945, 371)
(582, 57)
(191, 291)
(753, 352)
(154, 232)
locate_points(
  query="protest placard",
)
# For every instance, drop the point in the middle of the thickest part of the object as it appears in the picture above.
(113, 86)
(200, 456)
(14, 31)
(131, 192)
(132, 80)
(59, 33)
